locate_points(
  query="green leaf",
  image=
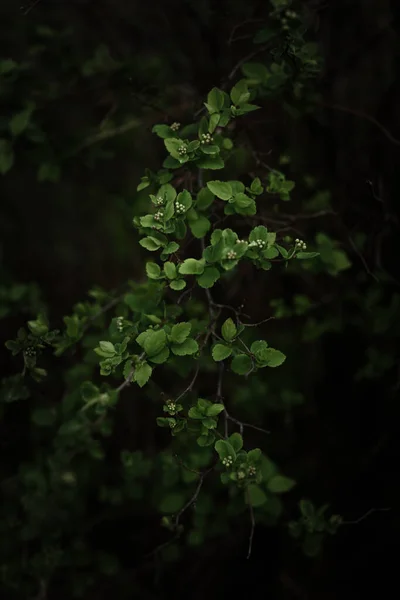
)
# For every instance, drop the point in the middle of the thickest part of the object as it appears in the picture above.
(256, 495)
(180, 332)
(171, 248)
(38, 327)
(150, 243)
(229, 330)
(173, 145)
(306, 255)
(204, 199)
(188, 347)
(214, 120)
(191, 266)
(240, 93)
(163, 131)
(259, 233)
(214, 410)
(20, 121)
(212, 150)
(153, 270)
(142, 374)
(185, 198)
(170, 270)
(107, 347)
(215, 100)
(161, 357)
(254, 455)
(177, 284)
(221, 189)
(268, 468)
(200, 226)
(195, 413)
(6, 156)
(260, 350)
(241, 364)
(274, 358)
(220, 352)
(307, 508)
(225, 449)
(211, 162)
(279, 484)
(154, 342)
(209, 277)
(236, 441)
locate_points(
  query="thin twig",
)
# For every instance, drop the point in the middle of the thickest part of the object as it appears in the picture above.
(31, 7)
(367, 514)
(364, 262)
(259, 322)
(363, 115)
(193, 498)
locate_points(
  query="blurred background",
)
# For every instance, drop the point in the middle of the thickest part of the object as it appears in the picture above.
(81, 85)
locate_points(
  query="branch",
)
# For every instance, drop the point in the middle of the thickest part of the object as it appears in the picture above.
(367, 514)
(193, 499)
(363, 115)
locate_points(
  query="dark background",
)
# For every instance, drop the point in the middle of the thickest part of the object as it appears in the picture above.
(76, 233)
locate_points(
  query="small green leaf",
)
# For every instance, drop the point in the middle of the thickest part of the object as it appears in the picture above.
(256, 495)
(274, 358)
(236, 441)
(49, 172)
(142, 374)
(241, 364)
(225, 449)
(307, 508)
(155, 342)
(188, 347)
(209, 277)
(200, 226)
(221, 189)
(150, 243)
(211, 162)
(204, 199)
(153, 270)
(177, 284)
(191, 266)
(220, 352)
(180, 332)
(240, 93)
(254, 455)
(163, 131)
(171, 248)
(229, 330)
(279, 484)
(161, 357)
(107, 347)
(20, 121)
(170, 270)
(214, 410)
(306, 255)
(215, 100)
(195, 413)
(260, 350)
